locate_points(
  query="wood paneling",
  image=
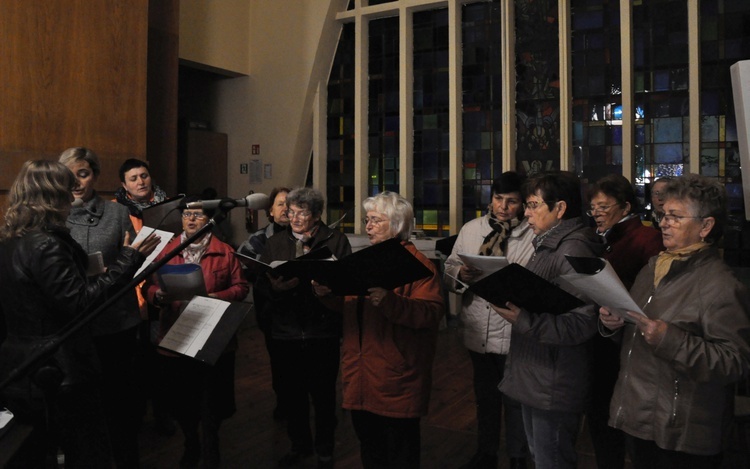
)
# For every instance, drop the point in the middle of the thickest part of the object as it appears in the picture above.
(73, 73)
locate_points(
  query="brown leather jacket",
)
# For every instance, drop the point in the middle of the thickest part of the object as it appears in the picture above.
(679, 393)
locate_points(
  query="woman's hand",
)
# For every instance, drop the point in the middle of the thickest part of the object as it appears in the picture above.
(320, 290)
(377, 295)
(279, 284)
(469, 274)
(653, 331)
(509, 313)
(145, 246)
(610, 321)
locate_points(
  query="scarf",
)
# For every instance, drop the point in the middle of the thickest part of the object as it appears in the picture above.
(665, 259)
(493, 242)
(194, 252)
(135, 207)
(304, 241)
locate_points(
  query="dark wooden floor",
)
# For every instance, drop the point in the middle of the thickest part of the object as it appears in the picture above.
(252, 439)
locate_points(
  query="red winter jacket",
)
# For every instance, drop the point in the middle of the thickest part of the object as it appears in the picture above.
(387, 352)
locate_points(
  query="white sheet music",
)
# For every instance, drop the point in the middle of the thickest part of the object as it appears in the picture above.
(487, 264)
(194, 326)
(164, 238)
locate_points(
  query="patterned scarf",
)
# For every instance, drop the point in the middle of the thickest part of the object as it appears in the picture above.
(493, 242)
(665, 259)
(194, 252)
(304, 241)
(135, 207)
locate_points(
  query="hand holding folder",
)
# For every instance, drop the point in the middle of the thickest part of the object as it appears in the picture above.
(525, 289)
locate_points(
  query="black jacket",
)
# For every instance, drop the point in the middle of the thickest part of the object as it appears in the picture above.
(43, 287)
(296, 313)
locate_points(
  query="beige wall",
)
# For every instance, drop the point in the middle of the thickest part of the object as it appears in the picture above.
(291, 47)
(216, 33)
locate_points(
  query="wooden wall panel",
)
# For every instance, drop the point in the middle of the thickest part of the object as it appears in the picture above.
(72, 72)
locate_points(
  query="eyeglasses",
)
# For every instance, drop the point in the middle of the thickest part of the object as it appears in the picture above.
(535, 205)
(674, 220)
(302, 214)
(374, 221)
(592, 211)
(196, 215)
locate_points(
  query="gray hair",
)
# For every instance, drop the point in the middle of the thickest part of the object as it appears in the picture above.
(707, 195)
(71, 155)
(398, 210)
(307, 197)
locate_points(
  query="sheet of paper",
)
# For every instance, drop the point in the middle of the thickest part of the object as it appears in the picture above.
(165, 238)
(195, 324)
(487, 264)
(605, 288)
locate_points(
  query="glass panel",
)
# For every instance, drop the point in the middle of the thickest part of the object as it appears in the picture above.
(482, 105)
(431, 121)
(340, 134)
(660, 47)
(383, 131)
(538, 86)
(725, 38)
(597, 88)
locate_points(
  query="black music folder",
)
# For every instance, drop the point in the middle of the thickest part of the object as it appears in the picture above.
(165, 215)
(525, 289)
(387, 265)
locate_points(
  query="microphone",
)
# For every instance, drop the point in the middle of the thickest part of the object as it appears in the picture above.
(77, 203)
(253, 201)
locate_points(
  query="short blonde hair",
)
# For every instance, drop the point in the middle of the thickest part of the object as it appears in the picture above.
(71, 155)
(40, 196)
(398, 210)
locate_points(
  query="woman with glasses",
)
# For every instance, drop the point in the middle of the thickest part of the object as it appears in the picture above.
(307, 332)
(630, 244)
(673, 396)
(503, 231)
(548, 366)
(199, 395)
(389, 345)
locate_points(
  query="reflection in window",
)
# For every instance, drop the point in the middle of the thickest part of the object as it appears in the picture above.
(660, 46)
(482, 105)
(538, 86)
(431, 181)
(725, 39)
(340, 133)
(597, 89)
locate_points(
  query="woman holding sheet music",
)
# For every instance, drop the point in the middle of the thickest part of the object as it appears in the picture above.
(306, 332)
(99, 226)
(388, 348)
(503, 231)
(548, 367)
(200, 395)
(44, 289)
(678, 361)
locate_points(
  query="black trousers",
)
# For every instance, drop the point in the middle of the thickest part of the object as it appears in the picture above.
(646, 455)
(308, 369)
(386, 442)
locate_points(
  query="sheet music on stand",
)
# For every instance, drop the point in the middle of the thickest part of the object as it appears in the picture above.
(204, 328)
(165, 215)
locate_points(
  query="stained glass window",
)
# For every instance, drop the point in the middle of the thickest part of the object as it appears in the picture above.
(597, 88)
(538, 86)
(482, 105)
(431, 181)
(660, 37)
(725, 39)
(383, 132)
(340, 133)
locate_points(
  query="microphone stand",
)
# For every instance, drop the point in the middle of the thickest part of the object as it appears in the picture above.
(39, 355)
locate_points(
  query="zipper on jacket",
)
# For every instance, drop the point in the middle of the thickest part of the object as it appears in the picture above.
(675, 398)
